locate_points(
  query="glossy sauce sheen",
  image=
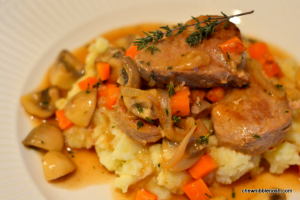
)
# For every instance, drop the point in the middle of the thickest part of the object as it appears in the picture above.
(90, 172)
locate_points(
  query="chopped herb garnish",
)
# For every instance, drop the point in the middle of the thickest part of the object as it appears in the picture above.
(167, 111)
(208, 195)
(200, 33)
(256, 136)
(228, 56)
(94, 167)
(72, 156)
(182, 55)
(270, 93)
(170, 67)
(171, 90)
(203, 139)
(113, 127)
(87, 90)
(139, 107)
(142, 62)
(149, 120)
(96, 85)
(70, 152)
(85, 112)
(45, 103)
(196, 123)
(152, 75)
(233, 193)
(279, 86)
(121, 96)
(42, 142)
(148, 63)
(139, 125)
(286, 111)
(158, 165)
(176, 119)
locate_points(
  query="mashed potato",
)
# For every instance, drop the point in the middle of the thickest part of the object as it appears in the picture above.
(133, 162)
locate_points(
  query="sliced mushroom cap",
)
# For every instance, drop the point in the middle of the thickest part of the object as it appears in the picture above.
(128, 124)
(113, 56)
(126, 41)
(80, 108)
(42, 103)
(45, 136)
(56, 164)
(141, 107)
(130, 75)
(66, 70)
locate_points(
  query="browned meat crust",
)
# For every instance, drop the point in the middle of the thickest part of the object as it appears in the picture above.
(203, 65)
(251, 120)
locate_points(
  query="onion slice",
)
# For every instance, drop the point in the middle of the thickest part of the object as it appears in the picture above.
(181, 149)
(187, 161)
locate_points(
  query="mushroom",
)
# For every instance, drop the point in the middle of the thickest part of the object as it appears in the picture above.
(129, 124)
(45, 136)
(56, 164)
(126, 41)
(80, 108)
(113, 56)
(129, 75)
(141, 107)
(42, 103)
(65, 71)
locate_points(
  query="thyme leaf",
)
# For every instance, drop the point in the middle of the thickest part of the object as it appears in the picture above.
(171, 90)
(139, 125)
(139, 108)
(149, 120)
(201, 32)
(176, 119)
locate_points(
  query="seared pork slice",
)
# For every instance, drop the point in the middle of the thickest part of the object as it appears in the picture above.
(203, 65)
(251, 120)
(128, 124)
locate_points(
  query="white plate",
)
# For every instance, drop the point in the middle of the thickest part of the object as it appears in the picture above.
(32, 32)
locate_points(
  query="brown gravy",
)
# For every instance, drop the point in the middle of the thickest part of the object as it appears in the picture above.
(90, 172)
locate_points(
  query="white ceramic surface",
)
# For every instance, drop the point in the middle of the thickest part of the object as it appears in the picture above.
(33, 32)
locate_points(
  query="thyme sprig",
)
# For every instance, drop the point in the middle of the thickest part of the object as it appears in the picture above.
(201, 33)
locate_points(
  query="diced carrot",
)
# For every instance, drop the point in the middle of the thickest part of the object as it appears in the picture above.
(272, 69)
(63, 121)
(197, 190)
(180, 103)
(112, 97)
(258, 50)
(88, 83)
(103, 70)
(233, 45)
(143, 194)
(104, 88)
(204, 166)
(197, 95)
(132, 51)
(215, 94)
